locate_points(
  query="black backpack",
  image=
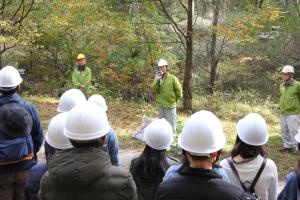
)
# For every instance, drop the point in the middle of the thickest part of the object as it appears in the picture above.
(249, 192)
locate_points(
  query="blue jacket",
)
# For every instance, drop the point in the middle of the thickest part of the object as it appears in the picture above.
(32, 186)
(112, 148)
(290, 190)
(173, 172)
(36, 134)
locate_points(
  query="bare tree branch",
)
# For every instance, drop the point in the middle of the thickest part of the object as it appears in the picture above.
(183, 5)
(164, 10)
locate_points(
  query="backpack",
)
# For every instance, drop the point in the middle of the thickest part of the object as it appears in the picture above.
(249, 192)
(14, 150)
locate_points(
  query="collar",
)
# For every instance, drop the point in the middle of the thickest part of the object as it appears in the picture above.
(290, 82)
(209, 173)
(10, 98)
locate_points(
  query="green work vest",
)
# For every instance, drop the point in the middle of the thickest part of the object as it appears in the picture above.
(289, 98)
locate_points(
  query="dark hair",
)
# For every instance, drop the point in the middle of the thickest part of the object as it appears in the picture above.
(186, 163)
(151, 163)
(49, 151)
(246, 150)
(9, 92)
(93, 143)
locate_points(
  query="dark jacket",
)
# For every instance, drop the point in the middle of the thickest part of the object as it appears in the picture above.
(36, 134)
(33, 182)
(146, 188)
(85, 173)
(198, 184)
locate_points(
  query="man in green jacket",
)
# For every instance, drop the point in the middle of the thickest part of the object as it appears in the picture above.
(168, 92)
(289, 108)
(82, 75)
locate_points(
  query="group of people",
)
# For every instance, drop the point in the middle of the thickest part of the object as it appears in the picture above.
(82, 151)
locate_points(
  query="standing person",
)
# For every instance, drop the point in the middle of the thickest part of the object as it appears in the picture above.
(21, 136)
(248, 157)
(202, 137)
(55, 141)
(85, 171)
(82, 75)
(289, 109)
(149, 168)
(168, 92)
(111, 145)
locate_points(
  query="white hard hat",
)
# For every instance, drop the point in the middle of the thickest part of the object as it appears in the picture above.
(98, 100)
(159, 134)
(202, 134)
(288, 69)
(9, 78)
(297, 137)
(253, 130)
(70, 99)
(55, 135)
(86, 122)
(162, 62)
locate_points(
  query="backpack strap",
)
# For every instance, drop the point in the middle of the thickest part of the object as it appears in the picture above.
(230, 162)
(251, 189)
(258, 175)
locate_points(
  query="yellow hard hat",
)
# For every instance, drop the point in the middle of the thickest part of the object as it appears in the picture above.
(80, 56)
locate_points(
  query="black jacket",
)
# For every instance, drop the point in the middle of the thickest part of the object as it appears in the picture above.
(146, 188)
(85, 174)
(198, 184)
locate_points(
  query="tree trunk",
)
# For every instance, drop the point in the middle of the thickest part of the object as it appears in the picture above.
(187, 93)
(213, 44)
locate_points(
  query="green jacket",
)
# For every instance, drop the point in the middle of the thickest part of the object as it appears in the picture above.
(82, 77)
(290, 98)
(168, 91)
(85, 173)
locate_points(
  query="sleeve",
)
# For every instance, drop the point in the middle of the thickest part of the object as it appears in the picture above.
(289, 190)
(87, 77)
(37, 130)
(131, 191)
(113, 148)
(272, 190)
(178, 89)
(155, 85)
(75, 80)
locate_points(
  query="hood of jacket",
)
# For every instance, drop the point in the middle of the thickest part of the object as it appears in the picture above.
(78, 167)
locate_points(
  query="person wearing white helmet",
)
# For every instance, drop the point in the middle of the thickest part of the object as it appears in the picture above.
(21, 135)
(85, 171)
(70, 99)
(150, 167)
(291, 189)
(111, 145)
(201, 138)
(248, 166)
(289, 104)
(168, 92)
(55, 141)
